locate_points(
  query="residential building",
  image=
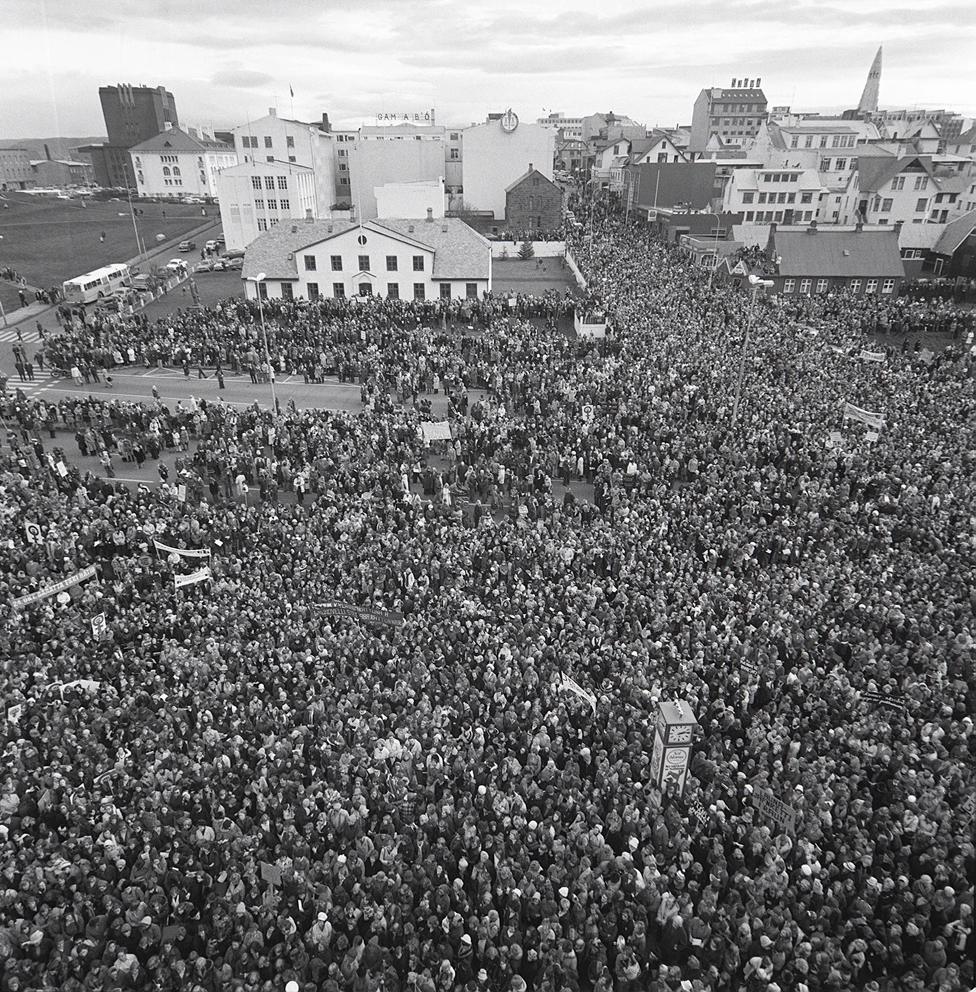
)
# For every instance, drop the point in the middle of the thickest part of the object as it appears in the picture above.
(566, 127)
(734, 113)
(257, 197)
(15, 168)
(781, 196)
(533, 203)
(499, 152)
(132, 114)
(431, 259)
(811, 260)
(175, 164)
(963, 144)
(609, 159)
(658, 146)
(825, 144)
(908, 189)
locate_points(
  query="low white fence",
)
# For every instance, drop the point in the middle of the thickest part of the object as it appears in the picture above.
(540, 249)
(574, 268)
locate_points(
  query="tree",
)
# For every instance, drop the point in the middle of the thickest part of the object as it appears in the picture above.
(526, 251)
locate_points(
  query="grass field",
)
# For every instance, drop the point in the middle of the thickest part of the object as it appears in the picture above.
(48, 241)
(532, 277)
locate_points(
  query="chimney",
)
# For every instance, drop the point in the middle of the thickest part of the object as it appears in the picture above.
(531, 166)
(430, 215)
(272, 112)
(733, 84)
(308, 215)
(758, 83)
(812, 229)
(325, 125)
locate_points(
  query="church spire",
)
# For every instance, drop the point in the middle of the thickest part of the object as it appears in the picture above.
(869, 97)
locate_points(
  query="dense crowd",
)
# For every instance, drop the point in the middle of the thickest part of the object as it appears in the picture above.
(234, 789)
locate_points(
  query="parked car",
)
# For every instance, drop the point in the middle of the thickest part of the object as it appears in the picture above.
(142, 281)
(176, 265)
(211, 245)
(187, 246)
(233, 263)
(192, 199)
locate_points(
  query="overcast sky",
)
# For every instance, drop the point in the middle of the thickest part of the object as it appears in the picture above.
(232, 60)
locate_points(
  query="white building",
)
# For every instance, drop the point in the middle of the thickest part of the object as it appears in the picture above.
(499, 152)
(410, 199)
(176, 163)
(782, 196)
(394, 258)
(255, 198)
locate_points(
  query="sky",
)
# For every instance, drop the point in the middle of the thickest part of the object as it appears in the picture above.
(229, 61)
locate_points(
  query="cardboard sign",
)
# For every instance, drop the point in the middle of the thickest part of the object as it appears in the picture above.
(437, 431)
(872, 356)
(782, 814)
(32, 532)
(99, 626)
(699, 815)
(270, 873)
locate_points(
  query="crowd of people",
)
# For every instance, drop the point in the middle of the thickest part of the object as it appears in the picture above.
(222, 781)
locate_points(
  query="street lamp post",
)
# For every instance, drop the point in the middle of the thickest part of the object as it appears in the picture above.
(755, 282)
(258, 281)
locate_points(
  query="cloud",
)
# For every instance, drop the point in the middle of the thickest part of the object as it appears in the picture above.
(243, 78)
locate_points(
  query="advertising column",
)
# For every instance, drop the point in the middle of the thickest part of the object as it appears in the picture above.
(673, 733)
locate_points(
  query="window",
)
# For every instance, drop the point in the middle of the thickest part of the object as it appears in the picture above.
(282, 182)
(343, 153)
(888, 286)
(887, 203)
(291, 158)
(791, 197)
(309, 263)
(365, 289)
(289, 141)
(897, 183)
(789, 285)
(336, 263)
(471, 290)
(822, 285)
(343, 168)
(781, 198)
(418, 263)
(825, 165)
(165, 170)
(762, 198)
(749, 216)
(338, 290)
(285, 204)
(263, 290)
(871, 286)
(778, 216)
(454, 136)
(272, 204)
(393, 291)
(804, 285)
(269, 158)
(840, 164)
(255, 182)
(269, 182)
(267, 142)
(364, 263)
(391, 263)
(921, 182)
(806, 198)
(445, 290)
(287, 293)
(749, 197)
(176, 171)
(259, 203)
(419, 292)
(922, 204)
(855, 285)
(262, 224)
(313, 290)
(455, 153)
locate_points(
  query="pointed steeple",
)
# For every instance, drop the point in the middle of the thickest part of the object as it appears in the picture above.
(869, 97)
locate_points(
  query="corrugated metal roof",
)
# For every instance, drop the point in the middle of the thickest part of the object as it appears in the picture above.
(830, 253)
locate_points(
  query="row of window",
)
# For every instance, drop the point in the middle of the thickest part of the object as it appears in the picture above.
(749, 197)
(392, 263)
(251, 141)
(776, 216)
(285, 204)
(365, 289)
(839, 165)
(738, 108)
(172, 182)
(887, 286)
(269, 182)
(886, 203)
(838, 141)
(898, 183)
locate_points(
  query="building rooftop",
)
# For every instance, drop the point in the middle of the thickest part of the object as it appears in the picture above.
(177, 140)
(459, 251)
(955, 233)
(831, 252)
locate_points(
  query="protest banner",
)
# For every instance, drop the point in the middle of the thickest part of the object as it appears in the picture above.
(389, 618)
(436, 431)
(99, 625)
(880, 699)
(33, 532)
(55, 588)
(868, 417)
(968, 807)
(871, 436)
(185, 552)
(181, 492)
(200, 575)
(15, 712)
(699, 815)
(783, 814)
(571, 685)
(872, 356)
(835, 439)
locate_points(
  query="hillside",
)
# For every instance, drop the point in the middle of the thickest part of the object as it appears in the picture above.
(60, 147)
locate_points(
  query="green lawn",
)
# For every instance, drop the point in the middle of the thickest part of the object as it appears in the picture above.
(48, 241)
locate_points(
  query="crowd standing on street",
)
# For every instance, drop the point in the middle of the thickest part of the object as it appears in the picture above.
(231, 788)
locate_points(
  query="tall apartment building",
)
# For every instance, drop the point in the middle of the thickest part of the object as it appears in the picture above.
(734, 114)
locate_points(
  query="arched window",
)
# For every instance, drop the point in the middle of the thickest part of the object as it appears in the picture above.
(165, 170)
(176, 171)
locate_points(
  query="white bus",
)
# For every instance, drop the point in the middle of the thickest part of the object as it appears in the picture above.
(97, 284)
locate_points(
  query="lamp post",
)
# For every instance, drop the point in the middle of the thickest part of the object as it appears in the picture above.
(258, 281)
(711, 275)
(755, 282)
